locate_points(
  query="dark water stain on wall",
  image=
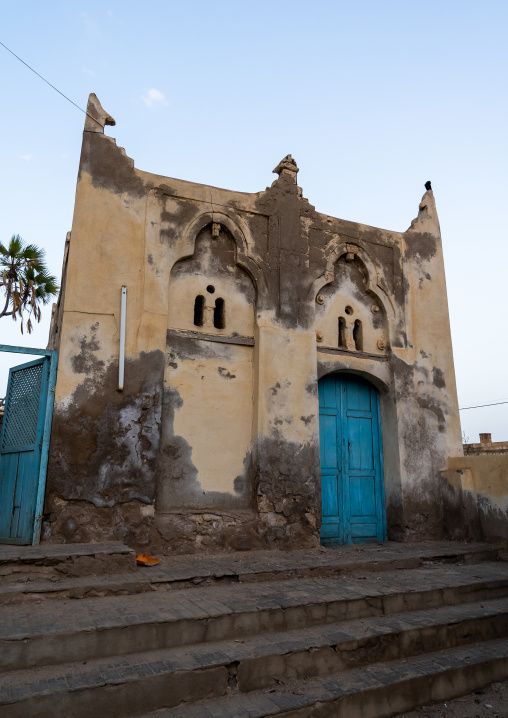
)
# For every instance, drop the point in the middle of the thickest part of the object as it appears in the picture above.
(104, 447)
(105, 444)
(109, 167)
(438, 378)
(420, 247)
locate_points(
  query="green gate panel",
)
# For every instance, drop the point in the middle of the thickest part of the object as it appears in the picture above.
(20, 449)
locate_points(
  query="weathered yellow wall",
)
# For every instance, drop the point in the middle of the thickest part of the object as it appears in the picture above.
(215, 415)
(226, 420)
(479, 484)
(486, 474)
(427, 409)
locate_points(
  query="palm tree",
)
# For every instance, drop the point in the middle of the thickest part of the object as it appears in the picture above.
(25, 280)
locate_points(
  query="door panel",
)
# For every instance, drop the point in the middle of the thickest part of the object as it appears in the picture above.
(20, 449)
(330, 473)
(351, 461)
(331, 496)
(328, 445)
(359, 432)
(8, 474)
(363, 533)
(358, 395)
(363, 497)
(327, 396)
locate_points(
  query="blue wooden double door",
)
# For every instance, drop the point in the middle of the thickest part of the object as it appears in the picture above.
(352, 483)
(21, 440)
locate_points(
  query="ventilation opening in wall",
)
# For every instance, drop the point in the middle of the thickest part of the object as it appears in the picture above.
(219, 314)
(342, 333)
(358, 335)
(199, 308)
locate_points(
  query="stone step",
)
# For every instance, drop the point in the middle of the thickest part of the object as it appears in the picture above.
(59, 587)
(187, 571)
(23, 564)
(120, 625)
(164, 678)
(378, 691)
(254, 566)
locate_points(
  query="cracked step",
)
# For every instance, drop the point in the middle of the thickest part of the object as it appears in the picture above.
(19, 563)
(120, 686)
(377, 691)
(119, 625)
(49, 572)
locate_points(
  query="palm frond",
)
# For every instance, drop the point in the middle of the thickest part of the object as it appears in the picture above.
(26, 281)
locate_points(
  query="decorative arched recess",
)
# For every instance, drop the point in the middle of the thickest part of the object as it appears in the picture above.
(206, 457)
(335, 249)
(240, 233)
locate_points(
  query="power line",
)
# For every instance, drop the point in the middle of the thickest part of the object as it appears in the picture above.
(464, 408)
(49, 83)
(479, 406)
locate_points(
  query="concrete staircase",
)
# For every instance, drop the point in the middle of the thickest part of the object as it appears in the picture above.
(355, 631)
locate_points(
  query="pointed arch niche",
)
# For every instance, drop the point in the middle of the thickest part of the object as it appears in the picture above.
(350, 315)
(207, 424)
(209, 291)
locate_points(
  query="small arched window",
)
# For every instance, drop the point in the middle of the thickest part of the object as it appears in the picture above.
(199, 308)
(219, 314)
(358, 335)
(342, 333)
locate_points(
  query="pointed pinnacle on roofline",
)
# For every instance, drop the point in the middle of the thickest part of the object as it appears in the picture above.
(287, 167)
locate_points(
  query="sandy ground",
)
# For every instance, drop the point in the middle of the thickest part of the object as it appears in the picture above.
(491, 702)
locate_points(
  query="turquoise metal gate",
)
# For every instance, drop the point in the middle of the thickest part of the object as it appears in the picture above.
(24, 445)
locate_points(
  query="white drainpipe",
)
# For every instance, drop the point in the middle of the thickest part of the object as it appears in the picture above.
(121, 366)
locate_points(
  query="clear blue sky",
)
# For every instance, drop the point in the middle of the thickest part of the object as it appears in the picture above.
(371, 98)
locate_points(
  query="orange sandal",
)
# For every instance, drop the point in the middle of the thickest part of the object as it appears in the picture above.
(143, 560)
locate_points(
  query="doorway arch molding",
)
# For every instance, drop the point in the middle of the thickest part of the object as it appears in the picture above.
(379, 375)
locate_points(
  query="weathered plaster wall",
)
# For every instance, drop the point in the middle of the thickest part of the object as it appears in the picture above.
(208, 400)
(214, 441)
(427, 405)
(477, 505)
(101, 475)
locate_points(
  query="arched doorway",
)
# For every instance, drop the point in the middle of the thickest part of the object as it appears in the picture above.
(352, 483)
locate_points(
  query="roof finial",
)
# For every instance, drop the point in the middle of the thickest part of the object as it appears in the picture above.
(287, 167)
(96, 116)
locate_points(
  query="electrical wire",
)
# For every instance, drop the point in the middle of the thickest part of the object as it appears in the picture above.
(479, 406)
(49, 83)
(464, 408)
